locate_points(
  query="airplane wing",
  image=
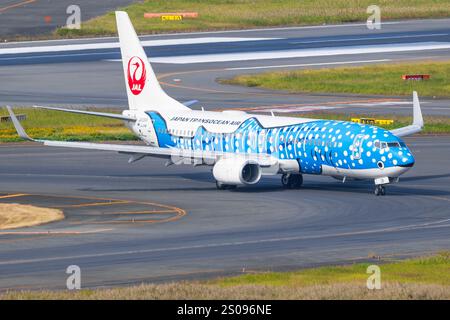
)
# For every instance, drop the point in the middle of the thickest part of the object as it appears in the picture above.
(137, 152)
(417, 124)
(92, 113)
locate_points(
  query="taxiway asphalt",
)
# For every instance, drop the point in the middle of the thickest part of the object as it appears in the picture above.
(111, 234)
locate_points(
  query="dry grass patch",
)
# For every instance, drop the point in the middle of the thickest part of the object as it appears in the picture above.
(200, 291)
(419, 278)
(13, 215)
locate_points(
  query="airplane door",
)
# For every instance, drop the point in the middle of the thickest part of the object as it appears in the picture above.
(358, 146)
(146, 131)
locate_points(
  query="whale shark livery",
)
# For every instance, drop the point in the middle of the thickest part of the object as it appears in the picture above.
(242, 147)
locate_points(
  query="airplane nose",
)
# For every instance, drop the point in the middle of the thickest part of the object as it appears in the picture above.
(407, 165)
(407, 160)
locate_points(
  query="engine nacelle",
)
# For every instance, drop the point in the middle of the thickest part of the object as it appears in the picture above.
(236, 171)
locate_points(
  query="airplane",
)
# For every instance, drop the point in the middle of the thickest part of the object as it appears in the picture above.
(242, 147)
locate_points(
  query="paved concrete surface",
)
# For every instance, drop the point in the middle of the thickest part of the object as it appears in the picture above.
(36, 17)
(215, 232)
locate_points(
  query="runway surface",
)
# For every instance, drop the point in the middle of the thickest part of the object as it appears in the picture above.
(211, 232)
(147, 222)
(36, 17)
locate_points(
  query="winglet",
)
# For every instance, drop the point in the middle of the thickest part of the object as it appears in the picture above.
(417, 124)
(17, 125)
(417, 115)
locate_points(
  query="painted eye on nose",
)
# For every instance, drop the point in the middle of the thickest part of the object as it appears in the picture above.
(380, 164)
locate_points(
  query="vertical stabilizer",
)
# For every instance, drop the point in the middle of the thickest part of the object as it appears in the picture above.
(143, 89)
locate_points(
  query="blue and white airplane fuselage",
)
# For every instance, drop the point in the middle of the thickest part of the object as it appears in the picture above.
(307, 146)
(243, 147)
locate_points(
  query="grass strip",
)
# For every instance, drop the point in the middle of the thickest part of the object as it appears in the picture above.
(418, 278)
(238, 14)
(54, 125)
(378, 79)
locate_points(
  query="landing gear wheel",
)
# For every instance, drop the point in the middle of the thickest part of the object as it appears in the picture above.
(291, 181)
(222, 186)
(285, 180)
(380, 190)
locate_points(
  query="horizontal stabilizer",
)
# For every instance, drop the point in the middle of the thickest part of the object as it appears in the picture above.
(91, 113)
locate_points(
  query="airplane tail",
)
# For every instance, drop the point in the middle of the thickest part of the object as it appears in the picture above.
(143, 89)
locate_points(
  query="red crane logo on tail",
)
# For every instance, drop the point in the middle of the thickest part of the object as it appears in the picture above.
(136, 75)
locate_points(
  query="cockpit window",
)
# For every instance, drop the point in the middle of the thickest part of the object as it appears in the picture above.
(380, 144)
(393, 145)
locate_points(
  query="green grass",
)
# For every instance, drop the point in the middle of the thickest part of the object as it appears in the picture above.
(382, 79)
(418, 278)
(236, 14)
(54, 125)
(428, 270)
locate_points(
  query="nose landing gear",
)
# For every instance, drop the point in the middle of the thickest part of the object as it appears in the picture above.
(291, 180)
(380, 190)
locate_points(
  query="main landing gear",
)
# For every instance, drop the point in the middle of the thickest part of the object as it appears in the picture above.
(291, 180)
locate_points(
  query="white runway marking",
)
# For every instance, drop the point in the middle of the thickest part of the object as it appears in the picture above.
(371, 38)
(309, 64)
(53, 232)
(384, 103)
(303, 108)
(345, 25)
(113, 45)
(293, 109)
(303, 53)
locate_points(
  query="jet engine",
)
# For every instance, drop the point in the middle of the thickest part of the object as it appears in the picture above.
(234, 171)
